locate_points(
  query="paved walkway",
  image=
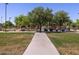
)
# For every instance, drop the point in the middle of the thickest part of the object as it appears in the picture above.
(41, 45)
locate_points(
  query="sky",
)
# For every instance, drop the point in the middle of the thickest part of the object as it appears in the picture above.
(16, 9)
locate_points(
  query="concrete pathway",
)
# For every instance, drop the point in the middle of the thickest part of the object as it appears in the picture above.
(41, 45)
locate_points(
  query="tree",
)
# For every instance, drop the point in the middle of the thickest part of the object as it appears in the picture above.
(74, 26)
(8, 24)
(21, 21)
(49, 16)
(77, 23)
(61, 17)
(62, 20)
(40, 16)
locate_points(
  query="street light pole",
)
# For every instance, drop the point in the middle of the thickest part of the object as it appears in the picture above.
(5, 13)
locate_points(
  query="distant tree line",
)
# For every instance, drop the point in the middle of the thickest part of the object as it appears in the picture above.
(40, 17)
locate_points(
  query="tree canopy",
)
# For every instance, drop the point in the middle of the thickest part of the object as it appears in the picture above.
(40, 16)
(61, 17)
(21, 21)
(77, 22)
(8, 24)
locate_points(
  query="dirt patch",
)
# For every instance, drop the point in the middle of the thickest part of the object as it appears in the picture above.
(69, 51)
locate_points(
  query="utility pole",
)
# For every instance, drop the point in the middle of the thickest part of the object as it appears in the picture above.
(6, 13)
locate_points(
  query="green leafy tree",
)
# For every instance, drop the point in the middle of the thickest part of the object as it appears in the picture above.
(74, 26)
(61, 17)
(40, 16)
(21, 21)
(77, 23)
(8, 24)
(49, 16)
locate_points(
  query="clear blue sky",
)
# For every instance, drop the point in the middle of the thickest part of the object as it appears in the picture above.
(24, 8)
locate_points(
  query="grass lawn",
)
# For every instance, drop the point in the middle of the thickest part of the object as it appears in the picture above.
(14, 43)
(66, 43)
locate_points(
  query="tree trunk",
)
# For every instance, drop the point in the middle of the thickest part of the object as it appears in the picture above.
(40, 27)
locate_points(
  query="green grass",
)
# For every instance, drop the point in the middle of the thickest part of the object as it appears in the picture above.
(66, 43)
(14, 43)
